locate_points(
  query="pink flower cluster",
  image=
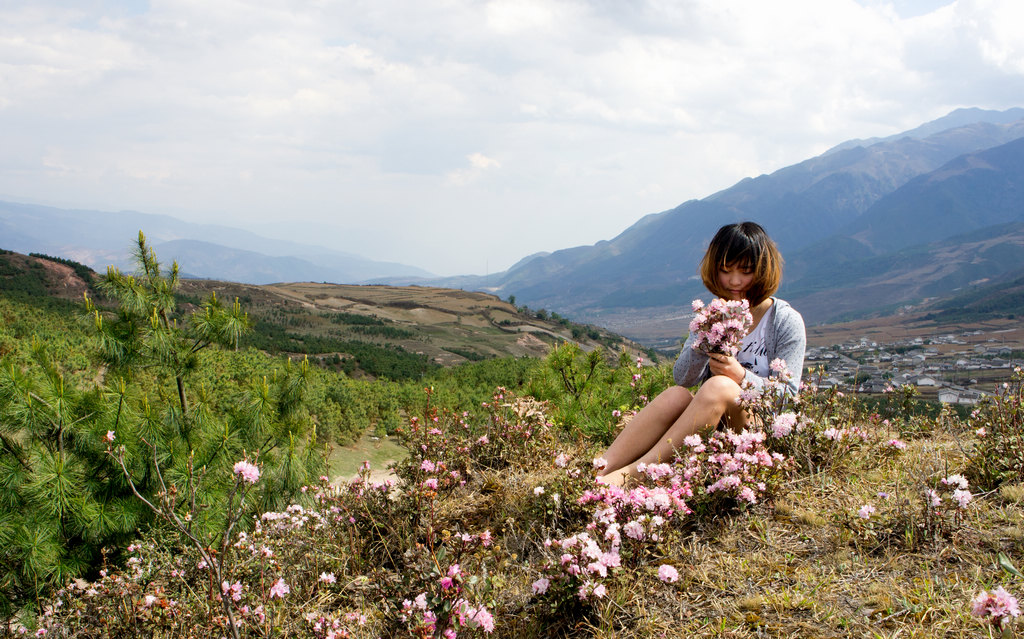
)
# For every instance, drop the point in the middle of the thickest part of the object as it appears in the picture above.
(954, 488)
(996, 606)
(720, 326)
(421, 619)
(735, 464)
(581, 563)
(331, 627)
(446, 607)
(248, 472)
(668, 573)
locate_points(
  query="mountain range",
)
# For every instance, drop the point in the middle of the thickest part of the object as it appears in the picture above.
(868, 227)
(98, 239)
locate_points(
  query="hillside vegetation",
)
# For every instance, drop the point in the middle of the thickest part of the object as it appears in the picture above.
(833, 522)
(168, 371)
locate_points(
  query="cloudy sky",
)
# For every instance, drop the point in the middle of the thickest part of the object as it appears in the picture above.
(462, 135)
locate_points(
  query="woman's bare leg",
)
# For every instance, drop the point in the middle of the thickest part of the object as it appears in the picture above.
(714, 402)
(646, 428)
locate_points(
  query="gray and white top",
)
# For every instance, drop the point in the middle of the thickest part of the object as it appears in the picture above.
(784, 338)
(753, 353)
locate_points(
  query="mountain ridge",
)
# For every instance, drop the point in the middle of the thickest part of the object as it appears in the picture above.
(98, 238)
(808, 208)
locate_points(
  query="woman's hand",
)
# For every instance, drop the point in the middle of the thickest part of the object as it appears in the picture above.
(726, 365)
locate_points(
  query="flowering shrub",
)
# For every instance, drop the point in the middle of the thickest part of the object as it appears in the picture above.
(815, 429)
(995, 607)
(997, 454)
(629, 525)
(732, 469)
(446, 447)
(935, 514)
(944, 505)
(720, 326)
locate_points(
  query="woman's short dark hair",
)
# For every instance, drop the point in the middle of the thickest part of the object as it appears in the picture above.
(744, 245)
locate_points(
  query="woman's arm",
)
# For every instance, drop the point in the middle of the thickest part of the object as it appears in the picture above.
(689, 367)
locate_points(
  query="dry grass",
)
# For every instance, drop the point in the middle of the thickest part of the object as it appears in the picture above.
(805, 567)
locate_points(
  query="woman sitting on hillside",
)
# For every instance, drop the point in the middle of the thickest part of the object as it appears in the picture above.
(742, 262)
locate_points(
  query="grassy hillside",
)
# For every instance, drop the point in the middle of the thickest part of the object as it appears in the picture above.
(408, 329)
(364, 331)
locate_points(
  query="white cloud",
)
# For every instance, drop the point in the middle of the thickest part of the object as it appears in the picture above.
(478, 163)
(560, 122)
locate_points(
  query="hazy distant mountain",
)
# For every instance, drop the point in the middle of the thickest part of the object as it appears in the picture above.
(857, 218)
(99, 239)
(845, 287)
(212, 261)
(972, 192)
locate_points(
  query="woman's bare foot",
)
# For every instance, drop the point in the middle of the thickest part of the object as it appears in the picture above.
(614, 478)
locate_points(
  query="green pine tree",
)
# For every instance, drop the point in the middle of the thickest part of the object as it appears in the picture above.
(63, 496)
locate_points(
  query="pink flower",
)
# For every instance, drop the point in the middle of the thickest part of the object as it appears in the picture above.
(234, 590)
(962, 497)
(897, 444)
(600, 463)
(248, 472)
(539, 490)
(483, 619)
(783, 425)
(562, 460)
(996, 605)
(866, 511)
(834, 434)
(279, 589)
(110, 436)
(328, 577)
(956, 480)
(719, 327)
(541, 586)
(668, 574)
(600, 591)
(430, 483)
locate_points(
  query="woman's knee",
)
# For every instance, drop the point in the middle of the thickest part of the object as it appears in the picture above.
(677, 392)
(719, 388)
(678, 396)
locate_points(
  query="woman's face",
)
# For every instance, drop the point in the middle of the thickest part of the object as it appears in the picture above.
(735, 281)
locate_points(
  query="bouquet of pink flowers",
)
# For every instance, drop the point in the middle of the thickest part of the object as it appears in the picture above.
(720, 326)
